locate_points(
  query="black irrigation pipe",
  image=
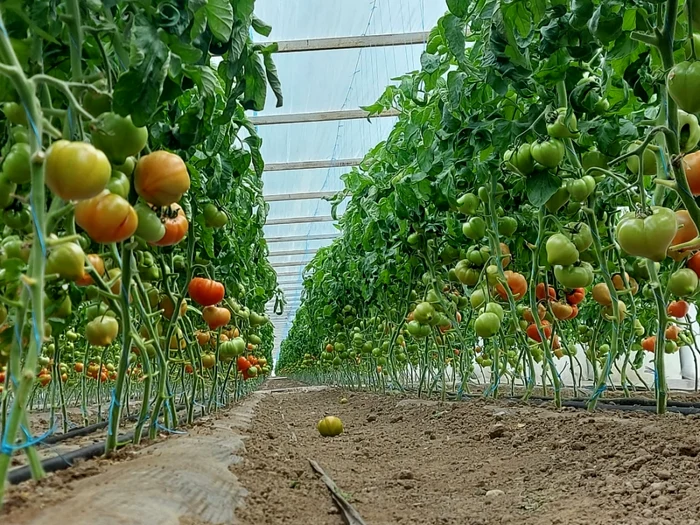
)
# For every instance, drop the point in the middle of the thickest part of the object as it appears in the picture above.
(686, 411)
(85, 431)
(21, 474)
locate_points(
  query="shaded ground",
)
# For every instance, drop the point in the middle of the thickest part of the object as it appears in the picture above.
(400, 461)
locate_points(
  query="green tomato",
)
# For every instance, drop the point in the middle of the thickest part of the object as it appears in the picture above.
(20, 134)
(647, 237)
(682, 82)
(594, 159)
(574, 276)
(414, 239)
(688, 131)
(213, 217)
(67, 261)
(17, 219)
(7, 189)
(424, 312)
(479, 256)
(417, 329)
(549, 153)
(127, 168)
(477, 298)
(580, 234)
(521, 159)
(495, 308)
(15, 113)
(14, 248)
(179, 263)
(150, 227)
(649, 160)
(580, 189)
(466, 274)
(58, 308)
(97, 103)
(560, 250)
(468, 204)
(560, 127)
(475, 228)
(119, 184)
(487, 325)
(683, 282)
(556, 201)
(507, 226)
(118, 137)
(17, 165)
(670, 347)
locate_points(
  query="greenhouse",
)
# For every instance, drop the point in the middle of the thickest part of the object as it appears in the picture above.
(349, 261)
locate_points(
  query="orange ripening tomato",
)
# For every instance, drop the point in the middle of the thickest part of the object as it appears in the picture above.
(540, 293)
(678, 309)
(691, 163)
(672, 332)
(694, 262)
(562, 311)
(574, 312)
(687, 231)
(533, 334)
(541, 312)
(216, 317)
(189, 369)
(242, 364)
(517, 284)
(206, 292)
(649, 343)
(161, 178)
(505, 251)
(176, 225)
(576, 296)
(106, 218)
(97, 263)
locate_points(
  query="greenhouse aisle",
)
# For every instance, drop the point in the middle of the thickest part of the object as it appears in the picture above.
(399, 461)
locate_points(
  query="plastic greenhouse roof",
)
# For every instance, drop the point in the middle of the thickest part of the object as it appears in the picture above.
(321, 81)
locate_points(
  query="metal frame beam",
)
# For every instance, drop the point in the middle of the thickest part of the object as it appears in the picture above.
(299, 196)
(352, 42)
(293, 252)
(311, 164)
(290, 264)
(299, 220)
(302, 238)
(320, 116)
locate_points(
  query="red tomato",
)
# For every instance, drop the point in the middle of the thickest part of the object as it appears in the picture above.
(206, 292)
(694, 262)
(678, 309)
(649, 343)
(517, 284)
(533, 334)
(576, 296)
(242, 364)
(540, 293)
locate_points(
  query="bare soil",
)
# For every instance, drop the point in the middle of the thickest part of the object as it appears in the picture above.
(408, 461)
(400, 461)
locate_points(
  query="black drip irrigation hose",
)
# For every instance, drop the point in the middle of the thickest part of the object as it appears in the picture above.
(627, 404)
(21, 474)
(85, 431)
(64, 461)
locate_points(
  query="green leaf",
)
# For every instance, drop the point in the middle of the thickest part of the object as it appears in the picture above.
(186, 51)
(220, 19)
(455, 86)
(273, 78)
(554, 68)
(199, 22)
(429, 63)
(255, 83)
(540, 186)
(205, 78)
(261, 27)
(459, 8)
(137, 91)
(454, 34)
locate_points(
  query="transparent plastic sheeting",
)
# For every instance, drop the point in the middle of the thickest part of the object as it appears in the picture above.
(332, 80)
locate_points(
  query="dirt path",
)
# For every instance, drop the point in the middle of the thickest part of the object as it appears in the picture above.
(400, 461)
(403, 461)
